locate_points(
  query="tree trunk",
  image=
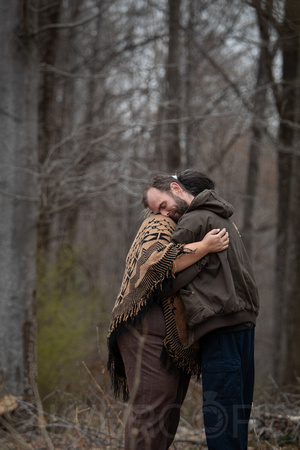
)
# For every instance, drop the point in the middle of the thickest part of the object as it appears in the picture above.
(287, 307)
(259, 106)
(189, 45)
(47, 133)
(173, 88)
(18, 196)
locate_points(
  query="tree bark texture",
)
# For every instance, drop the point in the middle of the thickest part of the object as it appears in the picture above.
(173, 88)
(47, 134)
(259, 106)
(18, 195)
(287, 306)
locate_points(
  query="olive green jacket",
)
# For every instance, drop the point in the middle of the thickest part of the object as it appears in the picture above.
(224, 292)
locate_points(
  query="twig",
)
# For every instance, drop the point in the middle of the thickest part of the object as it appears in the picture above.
(104, 395)
(82, 445)
(14, 434)
(40, 417)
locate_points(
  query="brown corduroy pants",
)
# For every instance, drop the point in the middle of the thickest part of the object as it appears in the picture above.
(156, 395)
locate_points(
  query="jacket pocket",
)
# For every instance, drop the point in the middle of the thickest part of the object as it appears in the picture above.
(195, 312)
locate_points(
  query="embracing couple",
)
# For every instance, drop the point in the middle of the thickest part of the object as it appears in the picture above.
(187, 307)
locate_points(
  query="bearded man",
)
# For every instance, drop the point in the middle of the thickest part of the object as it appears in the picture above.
(221, 303)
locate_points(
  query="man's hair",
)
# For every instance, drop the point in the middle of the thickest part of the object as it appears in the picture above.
(189, 180)
(195, 182)
(160, 182)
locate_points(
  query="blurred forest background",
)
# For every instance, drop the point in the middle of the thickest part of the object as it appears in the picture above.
(96, 97)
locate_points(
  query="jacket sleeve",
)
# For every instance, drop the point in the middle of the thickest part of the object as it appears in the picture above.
(183, 236)
(182, 279)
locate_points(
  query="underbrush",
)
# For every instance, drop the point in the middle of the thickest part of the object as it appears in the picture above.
(97, 420)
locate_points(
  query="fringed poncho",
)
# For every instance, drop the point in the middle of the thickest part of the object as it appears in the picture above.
(149, 263)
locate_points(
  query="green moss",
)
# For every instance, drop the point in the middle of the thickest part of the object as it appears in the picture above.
(69, 310)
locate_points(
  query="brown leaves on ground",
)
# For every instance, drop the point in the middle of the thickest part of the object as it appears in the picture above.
(96, 423)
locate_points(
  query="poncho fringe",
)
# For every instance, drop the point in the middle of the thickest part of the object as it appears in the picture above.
(148, 264)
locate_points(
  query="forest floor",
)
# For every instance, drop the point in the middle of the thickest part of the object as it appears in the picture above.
(76, 436)
(72, 440)
(97, 423)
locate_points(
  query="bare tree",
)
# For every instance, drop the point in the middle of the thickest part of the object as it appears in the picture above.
(259, 106)
(287, 306)
(18, 195)
(47, 132)
(173, 91)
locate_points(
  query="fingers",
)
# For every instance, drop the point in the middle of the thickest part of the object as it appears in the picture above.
(223, 236)
(226, 239)
(223, 232)
(226, 236)
(215, 231)
(218, 231)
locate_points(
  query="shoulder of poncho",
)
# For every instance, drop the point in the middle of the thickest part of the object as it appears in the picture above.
(148, 263)
(159, 220)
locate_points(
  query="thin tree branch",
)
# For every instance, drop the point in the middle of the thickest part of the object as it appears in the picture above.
(44, 67)
(52, 26)
(19, 197)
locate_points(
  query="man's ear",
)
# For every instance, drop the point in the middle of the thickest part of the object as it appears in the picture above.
(175, 188)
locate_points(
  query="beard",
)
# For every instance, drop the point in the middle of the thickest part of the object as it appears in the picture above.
(180, 208)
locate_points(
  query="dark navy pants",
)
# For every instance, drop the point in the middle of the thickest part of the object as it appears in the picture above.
(228, 382)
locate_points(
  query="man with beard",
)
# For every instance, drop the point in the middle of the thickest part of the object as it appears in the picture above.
(148, 359)
(221, 304)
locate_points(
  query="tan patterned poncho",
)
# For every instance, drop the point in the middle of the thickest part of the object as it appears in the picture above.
(149, 263)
